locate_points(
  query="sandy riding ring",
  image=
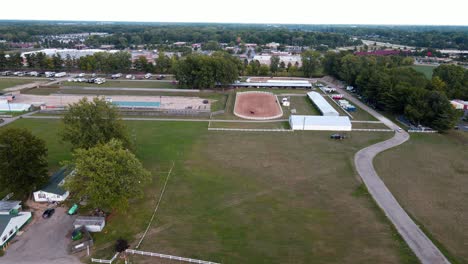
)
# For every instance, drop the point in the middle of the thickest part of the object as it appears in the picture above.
(257, 106)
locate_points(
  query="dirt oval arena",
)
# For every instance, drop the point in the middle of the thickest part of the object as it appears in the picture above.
(257, 106)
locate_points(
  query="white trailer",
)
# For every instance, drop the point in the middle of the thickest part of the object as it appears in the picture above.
(34, 74)
(49, 74)
(60, 74)
(91, 223)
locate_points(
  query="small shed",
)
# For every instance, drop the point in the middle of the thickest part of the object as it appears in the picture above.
(91, 223)
(53, 191)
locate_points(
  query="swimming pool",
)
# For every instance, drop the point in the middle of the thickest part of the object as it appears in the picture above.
(137, 104)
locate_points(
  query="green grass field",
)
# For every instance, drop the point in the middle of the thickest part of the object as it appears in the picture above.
(428, 176)
(425, 69)
(125, 84)
(247, 197)
(303, 105)
(10, 82)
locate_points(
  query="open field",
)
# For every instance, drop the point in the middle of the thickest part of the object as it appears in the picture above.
(428, 176)
(10, 82)
(303, 105)
(248, 197)
(369, 126)
(125, 84)
(426, 69)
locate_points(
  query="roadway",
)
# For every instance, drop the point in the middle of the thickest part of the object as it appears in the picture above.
(419, 243)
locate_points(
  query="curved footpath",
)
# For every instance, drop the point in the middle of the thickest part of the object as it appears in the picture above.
(421, 245)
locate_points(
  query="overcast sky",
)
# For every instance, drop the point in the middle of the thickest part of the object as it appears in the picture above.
(414, 12)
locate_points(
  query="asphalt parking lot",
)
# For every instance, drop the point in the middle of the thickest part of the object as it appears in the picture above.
(44, 241)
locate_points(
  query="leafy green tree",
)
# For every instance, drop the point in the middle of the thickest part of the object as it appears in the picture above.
(57, 62)
(108, 175)
(263, 70)
(23, 161)
(141, 64)
(88, 123)
(201, 72)
(211, 45)
(274, 64)
(310, 62)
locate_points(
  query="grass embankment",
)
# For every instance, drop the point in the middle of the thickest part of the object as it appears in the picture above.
(247, 197)
(428, 176)
(125, 84)
(10, 82)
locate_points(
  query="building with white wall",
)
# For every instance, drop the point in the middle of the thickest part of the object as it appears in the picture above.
(320, 123)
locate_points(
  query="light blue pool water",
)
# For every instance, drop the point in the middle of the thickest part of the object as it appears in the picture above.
(136, 104)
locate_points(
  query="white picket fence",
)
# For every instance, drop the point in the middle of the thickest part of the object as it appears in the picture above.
(422, 131)
(250, 129)
(372, 130)
(105, 260)
(165, 256)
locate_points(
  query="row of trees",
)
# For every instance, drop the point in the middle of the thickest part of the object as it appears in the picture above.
(386, 85)
(99, 62)
(107, 173)
(201, 71)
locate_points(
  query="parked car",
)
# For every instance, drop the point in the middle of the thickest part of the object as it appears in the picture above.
(73, 209)
(48, 213)
(77, 234)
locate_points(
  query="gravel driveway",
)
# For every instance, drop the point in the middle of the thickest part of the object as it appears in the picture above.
(44, 241)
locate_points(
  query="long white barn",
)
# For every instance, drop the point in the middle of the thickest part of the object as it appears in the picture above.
(324, 107)
(321, 123)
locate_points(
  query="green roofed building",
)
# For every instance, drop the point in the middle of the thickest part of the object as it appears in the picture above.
(53, 191)
(11, 221)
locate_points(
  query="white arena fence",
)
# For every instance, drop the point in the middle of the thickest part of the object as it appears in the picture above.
(151, 254)
(422, 131)
(258, 118)
(372, 130)
(250, 129)
(105, 260)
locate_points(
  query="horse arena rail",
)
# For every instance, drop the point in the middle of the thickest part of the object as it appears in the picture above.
(422, 131)
(372, 130)
(250, 129)
(151, 254)
(105, 260)
(258, 118)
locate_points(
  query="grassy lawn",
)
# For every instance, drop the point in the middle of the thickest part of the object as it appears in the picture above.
(303, 105)
(369, 126)
(247, 197)
(10, 82)
(125, 84)
(428, 176)
(427, 70)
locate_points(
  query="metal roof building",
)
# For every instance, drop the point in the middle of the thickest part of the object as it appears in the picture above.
(323, 123)
(324, 107)
(91, 223)
(284, 84)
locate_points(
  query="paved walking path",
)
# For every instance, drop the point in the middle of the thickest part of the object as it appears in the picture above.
(421, 245)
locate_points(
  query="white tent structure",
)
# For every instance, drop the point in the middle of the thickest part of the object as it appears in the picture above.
(324, 107)
(5, 106)
(323, 123)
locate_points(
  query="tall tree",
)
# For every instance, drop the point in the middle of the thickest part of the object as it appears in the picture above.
(310, 62)
(88, 123)
(23, 161)
(274, 64)
(108, 174)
